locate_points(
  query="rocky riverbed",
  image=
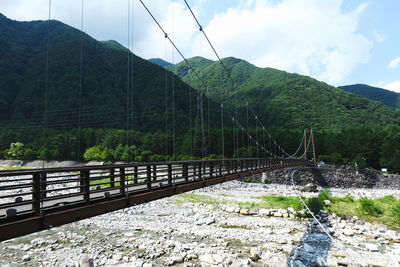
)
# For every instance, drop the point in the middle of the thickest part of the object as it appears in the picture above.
(174, 232)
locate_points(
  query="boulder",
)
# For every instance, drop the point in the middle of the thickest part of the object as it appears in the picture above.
(309, 188)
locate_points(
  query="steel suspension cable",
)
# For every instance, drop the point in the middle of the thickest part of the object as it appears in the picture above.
(166, 105)
(215, 52)
(208, 122)
(80, 88)
(132, 73)
(46, 87)
(196, 74)
(173, 82)
(128, 74)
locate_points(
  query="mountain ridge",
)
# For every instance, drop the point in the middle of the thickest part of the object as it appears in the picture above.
(285, 99)
(387, 97)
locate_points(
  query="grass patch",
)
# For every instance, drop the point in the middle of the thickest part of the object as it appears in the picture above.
(229, 226)
(197, 198)
(9, 168)
(103, 183)
(279, 202)
(384, 210)
(251, 181)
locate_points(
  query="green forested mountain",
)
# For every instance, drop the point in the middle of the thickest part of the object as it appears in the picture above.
(108, 92)
(160, 62)
(116, 110)
(387, 97)
(114, 92)
(286, 100)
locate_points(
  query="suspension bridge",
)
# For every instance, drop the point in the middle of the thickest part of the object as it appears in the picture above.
(32, 200)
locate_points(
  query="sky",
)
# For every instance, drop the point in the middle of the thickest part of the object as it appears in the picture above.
(339, 42)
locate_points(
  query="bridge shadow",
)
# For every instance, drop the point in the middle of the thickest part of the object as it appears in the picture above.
(318, 177)
(314, 245)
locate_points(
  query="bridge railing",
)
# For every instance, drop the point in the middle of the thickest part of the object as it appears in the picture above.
(37, 191)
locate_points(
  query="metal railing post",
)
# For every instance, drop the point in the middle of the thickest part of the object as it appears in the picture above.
(122, 180)
(169, 174)
(148, 177)
(43, 185)
(36, 193)
(112, 178)
(154, 172)
(200, 170)
(85, 184)
(185, 172)
(135, 174)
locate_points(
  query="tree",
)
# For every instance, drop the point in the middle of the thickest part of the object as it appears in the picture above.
(92, 153)
(16, 150)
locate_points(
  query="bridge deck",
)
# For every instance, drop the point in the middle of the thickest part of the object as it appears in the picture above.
(34, 200)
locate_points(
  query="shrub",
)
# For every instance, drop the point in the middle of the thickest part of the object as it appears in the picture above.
(315, 204)
(368, 207)
(396, 212)
(325, 195)
(348, 198)
(16, 150)
(92, 153)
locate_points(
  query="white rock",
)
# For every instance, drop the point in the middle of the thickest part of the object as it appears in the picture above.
(207, 258)
(327, 202)
(26, 257)
(348, 232)
(371, 247)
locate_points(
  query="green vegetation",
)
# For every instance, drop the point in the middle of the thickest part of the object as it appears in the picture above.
(384, 210)
(387, 97)
(368, 207)
(127, 119)
(280, 202)
(196, 198)
(286, 100)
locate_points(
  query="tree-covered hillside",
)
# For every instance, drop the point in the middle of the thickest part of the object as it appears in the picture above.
(108, 92)
(387, 97)
(286, 100)
(160, 62)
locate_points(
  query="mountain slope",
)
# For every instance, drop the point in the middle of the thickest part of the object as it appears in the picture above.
(284, 99)
(106, 91)
(160, 62)
(387, 97)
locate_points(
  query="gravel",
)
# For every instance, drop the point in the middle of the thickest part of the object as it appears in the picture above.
(168, 232)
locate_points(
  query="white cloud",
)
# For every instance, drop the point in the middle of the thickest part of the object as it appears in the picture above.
(393, 86)
(378, 37)
(394, 63)
(312, 37)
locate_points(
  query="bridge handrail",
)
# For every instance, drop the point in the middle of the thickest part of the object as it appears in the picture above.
(4, 173)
